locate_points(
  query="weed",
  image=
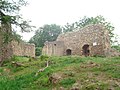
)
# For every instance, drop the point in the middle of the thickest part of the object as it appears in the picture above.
(44, 57)
(67, 82)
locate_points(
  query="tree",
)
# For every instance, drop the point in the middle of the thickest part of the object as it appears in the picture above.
(69, 27)
(38, 51)
(9, 15)
(90, 20)
(45, 33)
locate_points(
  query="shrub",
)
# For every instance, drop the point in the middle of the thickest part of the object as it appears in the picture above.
(38, 51)
(117, 47)
(44, 57)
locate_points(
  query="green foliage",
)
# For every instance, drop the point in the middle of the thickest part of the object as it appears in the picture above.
(9, 14)
(1, 69)
(67, 82)
(9, 63)
(51, 32)
(117, 47)
(45, 33)
(38, 51)
(44, 57)
(11, 6)
(8, 37)
(90, 73)
(19, 59)
(18, 83)
(43, 81)
(97, 85)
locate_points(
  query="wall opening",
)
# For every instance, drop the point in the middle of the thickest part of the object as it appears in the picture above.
(85, 50)
(68, 52)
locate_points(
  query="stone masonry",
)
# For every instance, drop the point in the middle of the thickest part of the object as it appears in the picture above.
(13, 48)
(10, 48)
(23, 49)
(96, 37)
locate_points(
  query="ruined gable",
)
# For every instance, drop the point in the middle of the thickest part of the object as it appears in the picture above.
(95, 36)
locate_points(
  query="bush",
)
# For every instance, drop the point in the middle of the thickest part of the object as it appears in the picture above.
(44, 57)
(117, 47)
(38, 51)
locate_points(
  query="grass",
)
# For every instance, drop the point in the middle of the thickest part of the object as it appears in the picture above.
(88, 73)
(67, 82)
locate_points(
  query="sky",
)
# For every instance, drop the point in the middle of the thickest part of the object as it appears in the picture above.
(59, 12)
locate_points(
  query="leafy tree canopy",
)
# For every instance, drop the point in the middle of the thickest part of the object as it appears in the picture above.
(9, 14)
(45, 33)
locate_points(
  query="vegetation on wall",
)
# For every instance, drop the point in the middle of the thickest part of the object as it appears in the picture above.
(9, 15)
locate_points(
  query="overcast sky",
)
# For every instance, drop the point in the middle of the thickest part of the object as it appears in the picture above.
(60, 12)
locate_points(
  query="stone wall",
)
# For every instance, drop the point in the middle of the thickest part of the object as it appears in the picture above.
(14, 48)
(96, 36)
(9, 49)
(23, 49)
(54, 48)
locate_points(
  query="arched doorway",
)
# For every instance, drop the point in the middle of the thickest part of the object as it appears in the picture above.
(68, 52)
(85, 50)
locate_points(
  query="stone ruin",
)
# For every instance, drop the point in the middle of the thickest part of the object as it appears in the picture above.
(23, 49)
(13, 47)
(19, 49)
(92, 38)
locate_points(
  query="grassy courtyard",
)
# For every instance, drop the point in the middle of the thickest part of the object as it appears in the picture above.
(65, 73)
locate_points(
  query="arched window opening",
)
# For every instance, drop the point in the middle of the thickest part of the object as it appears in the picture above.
(85, 50)
(68, 52)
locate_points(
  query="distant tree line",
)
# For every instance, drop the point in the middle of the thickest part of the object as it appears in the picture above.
(46, 33)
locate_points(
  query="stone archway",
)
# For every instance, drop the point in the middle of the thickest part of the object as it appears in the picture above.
(85, 50)
(68, 52)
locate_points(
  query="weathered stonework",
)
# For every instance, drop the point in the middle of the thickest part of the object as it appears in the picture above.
(95, 36)
(10, 48)
(23, 49)
(13, 48)
(54, 48)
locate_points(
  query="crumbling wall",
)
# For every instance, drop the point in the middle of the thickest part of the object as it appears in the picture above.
(114, 52)
(55, 48)
(96, 36)
(8, 48)
(93, 35)
(23, 49)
